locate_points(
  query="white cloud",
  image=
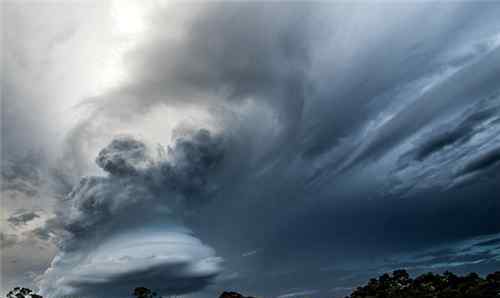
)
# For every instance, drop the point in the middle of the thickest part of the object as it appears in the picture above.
(166, 261)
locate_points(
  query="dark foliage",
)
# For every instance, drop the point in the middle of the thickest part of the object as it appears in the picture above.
(397, 285)
(19, 292)
(233, 295)
(142, 292)
(429, 285)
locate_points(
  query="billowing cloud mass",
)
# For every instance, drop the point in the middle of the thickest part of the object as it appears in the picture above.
(279, 149)
(128, 226)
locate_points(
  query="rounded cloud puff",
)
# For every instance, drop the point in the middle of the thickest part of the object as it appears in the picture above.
(124, 156)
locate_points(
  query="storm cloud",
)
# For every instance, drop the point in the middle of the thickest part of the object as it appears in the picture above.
(304, 146)
(20, 218)
(128, 226)
(8, 239)
(463, 149)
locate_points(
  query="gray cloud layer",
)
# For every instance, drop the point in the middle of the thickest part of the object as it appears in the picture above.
(339, 134)
(22, 218)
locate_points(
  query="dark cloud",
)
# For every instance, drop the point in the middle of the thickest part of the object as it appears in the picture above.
(194, 157)
(484, 161)
(472, 121)
(436, 253)
(50, 230)
(464, 147)
(336, 139)
(449, 261)
(475, 80)
(327, 136)
(138, 178)
(22, 175)
(264, 55)
(122, 156)
(489, 242)
(8, 240)
(458, 255)
(22, 217)
(42, 233)
(120, 213)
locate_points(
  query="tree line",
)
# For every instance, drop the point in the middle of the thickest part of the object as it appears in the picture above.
(399, 284)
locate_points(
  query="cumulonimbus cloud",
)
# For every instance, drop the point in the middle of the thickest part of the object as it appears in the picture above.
(125, 228)
(312, 120)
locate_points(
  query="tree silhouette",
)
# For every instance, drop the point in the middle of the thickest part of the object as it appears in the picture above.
(19, 292)
(430, 285)
(142, 292)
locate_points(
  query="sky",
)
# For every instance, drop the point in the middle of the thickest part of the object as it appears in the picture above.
(277, 149)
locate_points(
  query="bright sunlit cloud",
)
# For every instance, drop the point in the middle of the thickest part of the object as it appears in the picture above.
(127, 17)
